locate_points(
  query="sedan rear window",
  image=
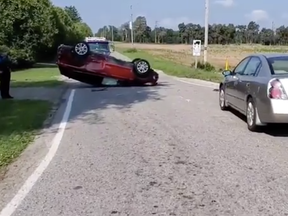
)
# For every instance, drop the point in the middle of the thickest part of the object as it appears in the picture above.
(278, 65)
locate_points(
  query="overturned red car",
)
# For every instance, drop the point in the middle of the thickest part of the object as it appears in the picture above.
(84, 64)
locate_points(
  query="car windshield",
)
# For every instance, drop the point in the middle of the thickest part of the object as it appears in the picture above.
(99, 46)
(279, 65)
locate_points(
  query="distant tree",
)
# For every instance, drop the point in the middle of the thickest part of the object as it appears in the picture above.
(187, 32)
(73, 13)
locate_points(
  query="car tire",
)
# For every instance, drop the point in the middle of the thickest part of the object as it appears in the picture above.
(81, 49)
(222, 99)
(251, 116)
(142, 68)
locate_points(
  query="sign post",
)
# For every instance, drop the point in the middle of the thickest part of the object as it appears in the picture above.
(196, 51)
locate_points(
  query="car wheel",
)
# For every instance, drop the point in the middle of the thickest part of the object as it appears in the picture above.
(251, 116)
(222, 99)
(81, 49)
(142, 68)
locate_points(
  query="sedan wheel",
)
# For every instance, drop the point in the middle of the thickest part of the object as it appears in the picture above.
(251, 116)
(222, 100)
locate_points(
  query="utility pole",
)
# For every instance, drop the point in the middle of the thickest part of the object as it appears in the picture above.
(131, 26)
(206, 30)
(273, 36)
(112, 32)
(156, 26)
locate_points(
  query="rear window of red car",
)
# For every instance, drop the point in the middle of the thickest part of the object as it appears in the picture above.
(99, 46)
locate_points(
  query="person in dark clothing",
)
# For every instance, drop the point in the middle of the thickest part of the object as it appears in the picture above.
(5, 77)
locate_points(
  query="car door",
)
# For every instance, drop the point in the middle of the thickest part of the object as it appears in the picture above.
(243, 84)
(231, 81)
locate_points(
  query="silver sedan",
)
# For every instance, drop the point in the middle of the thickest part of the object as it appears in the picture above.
(257, 87)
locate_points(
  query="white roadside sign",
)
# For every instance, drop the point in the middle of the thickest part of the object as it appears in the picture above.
(196, 47)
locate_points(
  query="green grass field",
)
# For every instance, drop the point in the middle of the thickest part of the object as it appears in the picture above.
(172, 68)
(21, 119)
(19, 122)
(36, 77)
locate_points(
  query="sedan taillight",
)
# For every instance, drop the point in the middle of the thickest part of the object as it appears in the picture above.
(276, 90)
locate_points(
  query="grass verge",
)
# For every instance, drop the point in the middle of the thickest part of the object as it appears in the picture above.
(172, 68)
(36, 77)
(19, 123)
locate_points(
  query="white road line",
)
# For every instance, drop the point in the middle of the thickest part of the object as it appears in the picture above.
(31, 181)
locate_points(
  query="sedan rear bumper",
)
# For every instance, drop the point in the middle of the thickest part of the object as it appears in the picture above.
(277, 112)
(277, 118)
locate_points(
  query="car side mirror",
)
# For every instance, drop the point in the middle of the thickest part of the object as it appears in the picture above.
(227, 73)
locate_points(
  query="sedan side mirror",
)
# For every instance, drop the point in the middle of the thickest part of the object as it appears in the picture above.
(227, 73)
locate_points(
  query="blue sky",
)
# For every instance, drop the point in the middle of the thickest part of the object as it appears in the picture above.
(170, 13)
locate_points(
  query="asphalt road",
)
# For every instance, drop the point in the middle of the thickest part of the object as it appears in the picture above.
(164, 150)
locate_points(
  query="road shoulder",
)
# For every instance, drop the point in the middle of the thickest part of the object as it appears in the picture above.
(13, 176)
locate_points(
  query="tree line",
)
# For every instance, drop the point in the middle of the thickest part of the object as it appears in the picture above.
(186, 32)
(31, 30)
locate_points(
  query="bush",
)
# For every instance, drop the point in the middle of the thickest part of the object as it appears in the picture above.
(30, 39)
(204, 66)
(4, 50)
(19, 58)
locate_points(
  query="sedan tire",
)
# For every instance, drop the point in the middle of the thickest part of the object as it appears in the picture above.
(222, 99)
(251, 116)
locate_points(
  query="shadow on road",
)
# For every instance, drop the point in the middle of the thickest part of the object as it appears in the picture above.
(90, 102)
(88, 105)
(276, 130)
